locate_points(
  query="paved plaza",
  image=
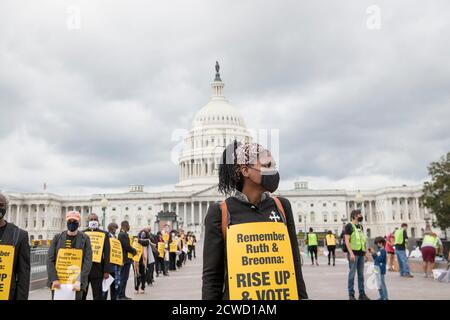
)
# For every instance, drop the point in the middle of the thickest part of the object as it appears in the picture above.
(322, 282)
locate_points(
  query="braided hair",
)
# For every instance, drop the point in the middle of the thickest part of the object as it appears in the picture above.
(230, 178)
(235, 155)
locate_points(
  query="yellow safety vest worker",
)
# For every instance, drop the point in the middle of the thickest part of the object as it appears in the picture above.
(430, 240)
(312, 239)
(358, 239)
(331, 240)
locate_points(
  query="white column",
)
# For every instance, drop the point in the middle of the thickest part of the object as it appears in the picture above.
(397, 210)
(29, 218)
(37, 217)
(406, 206)
(370, 211)
(417, 209)
(192, 212)
(200, 213)
(347, 213)
(18, 216)
(184, 214)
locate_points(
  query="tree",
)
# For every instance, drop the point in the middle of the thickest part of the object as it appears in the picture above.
(436, 193)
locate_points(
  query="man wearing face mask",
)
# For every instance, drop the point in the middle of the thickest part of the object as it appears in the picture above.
(71, 238)
(15, 250)
(114, 267)
(100, 258)
(127, 261)
(355, 242)
(248, 176)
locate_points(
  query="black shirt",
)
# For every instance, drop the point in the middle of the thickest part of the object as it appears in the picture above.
(2, 230)
(349, 230)
(70, 241)
(215, 284)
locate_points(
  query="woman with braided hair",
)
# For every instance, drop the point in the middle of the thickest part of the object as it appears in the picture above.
(247, 176)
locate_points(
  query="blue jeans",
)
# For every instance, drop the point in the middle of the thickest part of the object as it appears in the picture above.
(356, 266)
(381, 284)
(402, 262)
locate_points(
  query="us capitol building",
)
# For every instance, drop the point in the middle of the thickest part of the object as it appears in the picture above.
(215, 125)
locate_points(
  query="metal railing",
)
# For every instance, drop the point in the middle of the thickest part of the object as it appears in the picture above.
(38, 262)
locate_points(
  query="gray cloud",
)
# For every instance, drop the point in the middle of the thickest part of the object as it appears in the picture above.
(96, 107)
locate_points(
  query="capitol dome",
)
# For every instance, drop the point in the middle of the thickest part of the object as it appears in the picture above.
(214, 126)
(218, 112)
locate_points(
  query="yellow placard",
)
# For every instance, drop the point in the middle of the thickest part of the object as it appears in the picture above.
(6, 268)
(161, 246)
(68, 265)
(130, 255)
(166, 237)
(138, 247)
(116, 254)
(173, 246)
(260, 262)
(97, 243)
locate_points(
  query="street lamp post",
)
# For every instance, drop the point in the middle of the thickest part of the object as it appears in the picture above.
(104, 204)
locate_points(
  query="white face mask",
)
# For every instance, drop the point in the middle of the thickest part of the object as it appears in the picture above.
(93, 224)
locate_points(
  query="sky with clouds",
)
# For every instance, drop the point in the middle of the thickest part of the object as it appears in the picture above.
(360, 94)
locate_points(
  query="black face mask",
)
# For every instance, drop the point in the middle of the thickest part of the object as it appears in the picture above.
(2, 212)
(72, 226)
(270, 181)
(360, 219)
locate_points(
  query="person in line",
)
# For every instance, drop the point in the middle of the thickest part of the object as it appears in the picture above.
(355, 242)
(155, 266)
(182, 248)
(390, 243)
(161, 254)
(144, 239)
(173, 248)
(330, 241)
(429, 247)
(401, 238)
(71, 238)
(12, 237)
(114, 268)
(194, 242)
(151, 246)
(189, 245)
(379, 258)
(128, 253)
(247, 174)
(99, 270)
(312, 245)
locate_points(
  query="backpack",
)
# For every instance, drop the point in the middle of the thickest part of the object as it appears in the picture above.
(226, 215)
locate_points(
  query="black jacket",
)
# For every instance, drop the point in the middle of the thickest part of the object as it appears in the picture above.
(81, 242)
(215, 284)
(126, 246)
(98, 269)
(20, 283)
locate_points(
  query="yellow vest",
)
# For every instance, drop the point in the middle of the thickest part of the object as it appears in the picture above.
(331, 239)
(430, 240)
